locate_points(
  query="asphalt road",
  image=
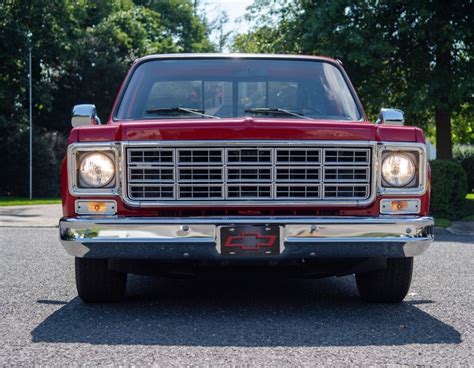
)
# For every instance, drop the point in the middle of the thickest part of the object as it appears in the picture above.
(39, 215)
(176, 323)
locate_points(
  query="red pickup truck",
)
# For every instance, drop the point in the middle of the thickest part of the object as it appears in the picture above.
(243, 163)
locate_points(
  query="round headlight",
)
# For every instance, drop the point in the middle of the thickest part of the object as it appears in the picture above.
(398, 169)
(96, 170)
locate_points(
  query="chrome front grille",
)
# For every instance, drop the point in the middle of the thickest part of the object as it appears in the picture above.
(240, 173)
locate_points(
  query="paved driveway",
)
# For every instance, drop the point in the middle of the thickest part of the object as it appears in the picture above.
(262, 323)
(45, 215)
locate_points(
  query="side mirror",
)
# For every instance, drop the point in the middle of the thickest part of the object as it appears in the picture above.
(84, 115)
(391, 117)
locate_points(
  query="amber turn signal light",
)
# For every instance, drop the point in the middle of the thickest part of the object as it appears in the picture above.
(86, 207)
(399, 206)
(96, 207)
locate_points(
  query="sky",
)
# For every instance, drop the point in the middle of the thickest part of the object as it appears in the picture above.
(234, 10)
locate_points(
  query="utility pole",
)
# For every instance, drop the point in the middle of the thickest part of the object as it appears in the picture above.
(31, 116)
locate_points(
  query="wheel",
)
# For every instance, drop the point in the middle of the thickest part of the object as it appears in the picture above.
(389, 285)
(96, 283)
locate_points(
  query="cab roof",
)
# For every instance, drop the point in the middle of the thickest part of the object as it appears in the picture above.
(236, 56)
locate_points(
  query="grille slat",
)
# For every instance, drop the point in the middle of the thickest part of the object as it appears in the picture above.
(248, 173)
(296, 174)
(344, 191)
(142, 192)
(151, 156)
(151, 174)
(200, 192)
(298, 156)
(346, 156)
(200, 174)
(193, 156)
(251, 156)
(246, 191)
(297, 191)
(346, 174)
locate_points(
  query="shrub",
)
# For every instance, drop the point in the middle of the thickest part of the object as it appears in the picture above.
(464, 154)
(461, 151)
(448, 188)
(14, 165)
(467, 164)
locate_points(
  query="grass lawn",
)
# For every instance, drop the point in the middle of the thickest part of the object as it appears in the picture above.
(468, 213)
(442, 222)
(21, 201)
(469, 210)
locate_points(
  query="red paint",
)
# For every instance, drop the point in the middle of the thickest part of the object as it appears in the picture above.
(233, 210)
(240, 129)
(262, 241)
(244, 129)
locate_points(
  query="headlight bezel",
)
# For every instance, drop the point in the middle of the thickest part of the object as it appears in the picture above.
(76, 153)
(417, 152)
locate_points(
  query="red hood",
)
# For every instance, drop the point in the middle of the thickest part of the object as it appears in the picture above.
(244, 129)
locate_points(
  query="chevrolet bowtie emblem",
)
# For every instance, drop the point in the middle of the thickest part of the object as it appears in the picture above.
(250, 241)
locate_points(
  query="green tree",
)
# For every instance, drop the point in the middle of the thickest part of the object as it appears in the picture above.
(81, 52)
(105, 53)
(106, 50)
(217, 26)
(51, 26)
(181, 22)
(463, 125)
(414, 55)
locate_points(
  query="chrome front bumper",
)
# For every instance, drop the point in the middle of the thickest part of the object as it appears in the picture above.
(198, 238)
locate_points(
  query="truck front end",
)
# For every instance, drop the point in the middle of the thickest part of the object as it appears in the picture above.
(243, 161)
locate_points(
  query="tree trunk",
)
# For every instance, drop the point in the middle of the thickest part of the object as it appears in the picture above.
(443, 79)
(444, 144)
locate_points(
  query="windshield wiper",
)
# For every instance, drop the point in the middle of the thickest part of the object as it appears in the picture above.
(276, 110)
(187, 110)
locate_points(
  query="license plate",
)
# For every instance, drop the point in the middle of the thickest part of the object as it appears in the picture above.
(250, 240)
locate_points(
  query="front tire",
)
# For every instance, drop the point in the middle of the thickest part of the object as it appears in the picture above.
(96, 283)
(389, 285)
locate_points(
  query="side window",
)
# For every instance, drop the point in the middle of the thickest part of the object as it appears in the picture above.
(340, 101)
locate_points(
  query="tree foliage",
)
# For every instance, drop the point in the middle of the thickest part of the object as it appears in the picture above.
(81, 51)
(415, 55)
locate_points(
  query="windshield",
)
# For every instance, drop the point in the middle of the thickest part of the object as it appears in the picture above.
(229, 88)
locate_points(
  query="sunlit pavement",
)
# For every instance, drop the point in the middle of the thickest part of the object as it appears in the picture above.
(265, 322)
(462, 228)
(43, 215)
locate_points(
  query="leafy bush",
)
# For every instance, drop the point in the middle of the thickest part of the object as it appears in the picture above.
(461, 151)
(48, 150)
(467, 164)
(464, 154)
(448, 188)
